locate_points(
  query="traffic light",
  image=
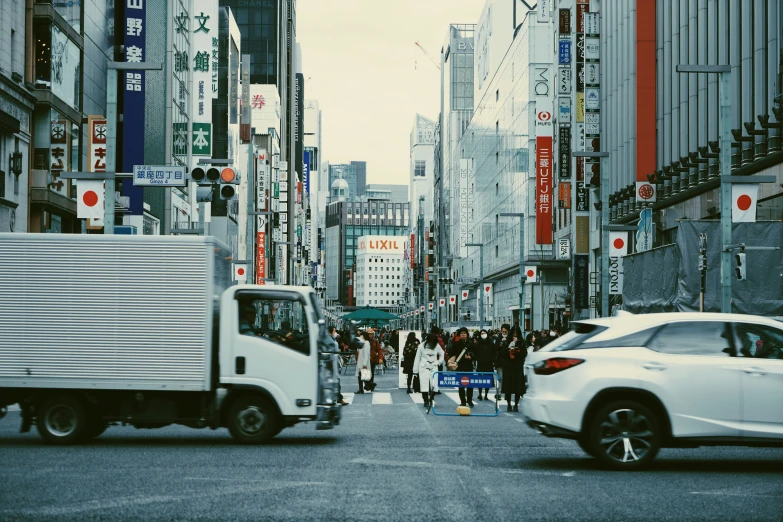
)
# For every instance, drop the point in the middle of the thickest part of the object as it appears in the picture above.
(446, 280)
(741, 268)
(229, 179)
(198, 174)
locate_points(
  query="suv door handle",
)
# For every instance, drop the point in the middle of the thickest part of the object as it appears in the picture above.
(654, 366)
(239, 365)
(754, 370)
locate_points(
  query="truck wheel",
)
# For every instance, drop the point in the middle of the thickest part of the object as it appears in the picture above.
(252, 420)
(624, 435)
(62, 420)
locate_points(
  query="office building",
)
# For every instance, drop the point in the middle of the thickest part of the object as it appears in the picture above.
(16, 110)
(346, 222)
(396, 193)
(380, 271)
(354, 173)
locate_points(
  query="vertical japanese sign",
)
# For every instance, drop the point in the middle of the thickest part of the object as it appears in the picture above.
(463, 207)
(564, 165)
(260, 257)
(204, 25)
(581, 282)
(306, 172)
(544, 199)
(59, 154)
(413, 251)
(96, 155)
(262, 179)
(135, 31)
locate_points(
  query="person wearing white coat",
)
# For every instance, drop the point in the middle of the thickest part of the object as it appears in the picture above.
(428, 357)
(363, 359)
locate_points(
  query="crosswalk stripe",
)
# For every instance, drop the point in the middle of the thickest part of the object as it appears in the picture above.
(348, 397)
(381, 398)
(417, 398)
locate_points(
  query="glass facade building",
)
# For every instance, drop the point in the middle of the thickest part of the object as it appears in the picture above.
(497, 174)
(346, 222)
(257, 21)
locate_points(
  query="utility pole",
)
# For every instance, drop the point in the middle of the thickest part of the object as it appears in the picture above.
(480, 295)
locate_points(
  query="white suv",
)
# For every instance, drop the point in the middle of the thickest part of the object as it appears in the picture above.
(624, 387)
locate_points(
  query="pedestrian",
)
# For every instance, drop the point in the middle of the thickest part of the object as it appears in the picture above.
(428, 357)
(333, 346)
(363, 360)
(461, 360)
(485, 358)
(501, 343)
(513, 358)
(409, 357)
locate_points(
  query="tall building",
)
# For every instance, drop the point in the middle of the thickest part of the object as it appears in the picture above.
(422, 151)
(360, 171)
(456, 110)
(16, 110)
(500, 152)
(346, 222)
(380, 271)
(660, 127)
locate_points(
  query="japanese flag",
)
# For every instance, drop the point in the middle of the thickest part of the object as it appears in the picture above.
(441, 302)
(240, 272)
(488, 292)
(532, 274)
(465, 294)
(421, 309)
(90, 199)
(743, 202)
(618, 244)
(432, 305)
(452, 299)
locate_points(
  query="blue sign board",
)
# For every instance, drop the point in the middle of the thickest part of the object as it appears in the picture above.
(565, 52)
(465, 380)
(132, 84)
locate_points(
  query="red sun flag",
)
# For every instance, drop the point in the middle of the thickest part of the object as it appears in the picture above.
(240, 273)
(618, 244)
(89, 202)
(743, 205)
(532, 274)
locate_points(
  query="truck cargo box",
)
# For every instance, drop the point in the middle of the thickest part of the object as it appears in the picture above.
(109, 312)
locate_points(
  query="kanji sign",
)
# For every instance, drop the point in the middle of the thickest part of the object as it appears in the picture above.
(465, 380)
(202, 139)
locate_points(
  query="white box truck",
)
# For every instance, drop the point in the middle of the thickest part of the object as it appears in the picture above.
(98, 330)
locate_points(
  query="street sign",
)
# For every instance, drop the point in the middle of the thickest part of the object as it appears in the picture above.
(465, 380)
(159, 175)
(467, 280)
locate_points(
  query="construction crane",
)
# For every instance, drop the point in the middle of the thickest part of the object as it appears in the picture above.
(436, 64)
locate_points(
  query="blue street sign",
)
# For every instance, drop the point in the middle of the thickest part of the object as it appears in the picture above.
(564, 52)
(465, 380)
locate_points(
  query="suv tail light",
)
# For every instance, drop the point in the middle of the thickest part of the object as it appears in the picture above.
(555, 364)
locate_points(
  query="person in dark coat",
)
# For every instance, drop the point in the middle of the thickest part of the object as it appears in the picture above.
(485, 358)
(465, 363)
(513, 359)
(409, 357)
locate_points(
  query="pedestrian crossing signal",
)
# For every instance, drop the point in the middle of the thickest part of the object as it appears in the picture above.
(741, 269)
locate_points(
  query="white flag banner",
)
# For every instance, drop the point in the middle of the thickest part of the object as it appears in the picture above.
(532, 274)
(452, 299)
(465, 294)
(488, 293)
(240, 273)
(743, 202)
(441, 302)
(90, 199)
(618, 244)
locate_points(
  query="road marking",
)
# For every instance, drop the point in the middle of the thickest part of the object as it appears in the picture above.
(381, 398)
(458, 467)
(724, 492)
(417, 398)
(348, 397)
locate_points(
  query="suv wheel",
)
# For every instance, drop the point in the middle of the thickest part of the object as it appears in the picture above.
(624, 435)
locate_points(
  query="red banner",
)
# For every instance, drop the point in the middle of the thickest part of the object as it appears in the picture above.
(544, 196)
(261, 258)
(413, 250)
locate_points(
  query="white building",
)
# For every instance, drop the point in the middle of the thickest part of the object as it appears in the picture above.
(422, 155)
(380, 274)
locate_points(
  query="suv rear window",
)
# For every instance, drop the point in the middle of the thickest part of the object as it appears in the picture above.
(570, 341)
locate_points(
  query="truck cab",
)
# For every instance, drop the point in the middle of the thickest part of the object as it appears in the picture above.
(272, 348)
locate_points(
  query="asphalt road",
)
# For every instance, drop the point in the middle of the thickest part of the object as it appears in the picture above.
(386, 461)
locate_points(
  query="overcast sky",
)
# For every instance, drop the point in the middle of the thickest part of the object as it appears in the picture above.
(361, 63)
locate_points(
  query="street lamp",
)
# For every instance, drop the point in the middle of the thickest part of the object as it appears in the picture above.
(604, 190)
(521, 217)
(481, 281)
